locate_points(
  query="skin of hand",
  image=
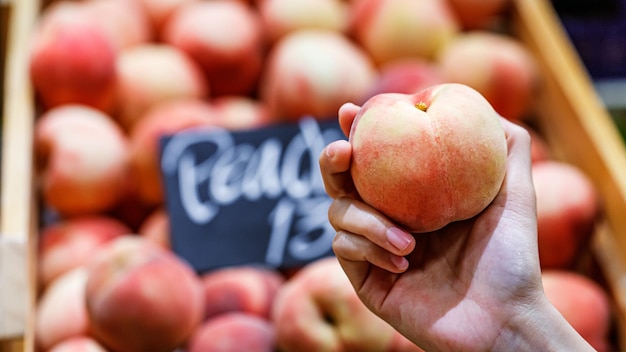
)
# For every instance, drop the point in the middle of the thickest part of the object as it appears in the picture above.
(474, 285)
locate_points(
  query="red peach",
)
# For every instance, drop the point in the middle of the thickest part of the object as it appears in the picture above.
(430, 158)
(502, 69)
(583, 303)
(473, 14)
(406, 76)
(71, 243)
(164, 119)
(390, 30)
(61, 311)
(234, 331)
(154, 73)
(567, 207)
(318, 310)
(140, 297)
(225, 38)
(78, 344)
(83, 156)
(280, 17)
(313, 72)
(72, 60)
(246, 289)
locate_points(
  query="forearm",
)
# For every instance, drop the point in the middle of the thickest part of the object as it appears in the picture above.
(541, 328)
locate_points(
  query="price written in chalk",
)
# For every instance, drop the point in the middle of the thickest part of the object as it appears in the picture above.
(248, 197)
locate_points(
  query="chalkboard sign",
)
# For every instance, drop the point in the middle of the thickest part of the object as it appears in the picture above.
(248, 197)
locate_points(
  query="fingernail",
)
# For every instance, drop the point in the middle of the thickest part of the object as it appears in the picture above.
(399, 262)
(330, 151)
(398, 238)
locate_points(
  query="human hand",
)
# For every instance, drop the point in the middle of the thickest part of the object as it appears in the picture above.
(472, 285)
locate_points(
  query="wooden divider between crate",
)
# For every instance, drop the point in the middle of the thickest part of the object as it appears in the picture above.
(18, 225)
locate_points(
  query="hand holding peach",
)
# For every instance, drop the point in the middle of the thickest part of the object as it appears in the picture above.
(440, 289)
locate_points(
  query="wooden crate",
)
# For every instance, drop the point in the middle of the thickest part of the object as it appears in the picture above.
(569, 114)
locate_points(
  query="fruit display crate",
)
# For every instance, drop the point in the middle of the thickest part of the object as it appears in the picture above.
(568, 112)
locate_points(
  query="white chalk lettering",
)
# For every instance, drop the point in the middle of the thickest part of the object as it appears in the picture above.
(232, 172)
(213, 170)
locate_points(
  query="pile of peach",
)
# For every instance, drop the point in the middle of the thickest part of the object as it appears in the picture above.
(112, 76)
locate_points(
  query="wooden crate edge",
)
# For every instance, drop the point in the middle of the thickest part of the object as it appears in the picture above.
(17, 209)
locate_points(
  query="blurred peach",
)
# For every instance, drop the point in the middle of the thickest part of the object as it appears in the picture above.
(83, 159)
(280, 17)
(313, 72)
(398, 29)
(153, 73)
(225, 38)
(61, 311)
(234, 331)
(499, 66)
(141, 297)
(71, 243)
(72, 60)
(247, 289)
(164, 119)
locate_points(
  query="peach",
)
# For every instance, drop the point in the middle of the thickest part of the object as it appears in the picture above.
(399, 29)
(502, 69)
(583, 303)
(225, 38)
(239, 112)
(124, 21)
(313, 72)
(430, 158)
(318, 310)
(473, 14)
(61, 312)
(164, 119)
(156, 227)
(78, 344)
(280, 17)
(72, 60)
(83, 159)
(234, 331)
(140, 297)
(406, 76)
(247, 289)
(71, 243)
(154, 73)
(567, 207)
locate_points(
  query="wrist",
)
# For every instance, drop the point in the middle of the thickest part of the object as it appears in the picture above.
(540, 327)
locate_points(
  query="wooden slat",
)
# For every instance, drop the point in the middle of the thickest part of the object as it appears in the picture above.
(17, 212)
